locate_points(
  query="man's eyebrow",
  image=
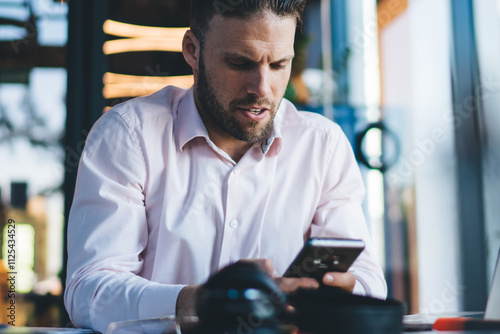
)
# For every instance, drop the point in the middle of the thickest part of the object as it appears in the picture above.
(238, 56)
(284, 59)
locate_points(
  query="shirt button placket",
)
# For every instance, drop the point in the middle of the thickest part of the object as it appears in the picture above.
(231, 223)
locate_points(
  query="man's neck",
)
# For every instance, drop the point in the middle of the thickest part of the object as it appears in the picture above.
(235, 148)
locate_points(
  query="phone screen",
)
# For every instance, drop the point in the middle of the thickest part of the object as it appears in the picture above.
(322, 255)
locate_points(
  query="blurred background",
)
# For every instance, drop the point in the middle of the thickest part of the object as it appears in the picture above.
(415, 85)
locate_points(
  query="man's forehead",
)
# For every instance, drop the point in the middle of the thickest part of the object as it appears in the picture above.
(265, 29)
(264, 13)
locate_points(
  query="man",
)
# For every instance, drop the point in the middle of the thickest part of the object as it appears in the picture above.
(174, 186)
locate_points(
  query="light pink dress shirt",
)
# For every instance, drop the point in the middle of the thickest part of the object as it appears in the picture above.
(158, 206)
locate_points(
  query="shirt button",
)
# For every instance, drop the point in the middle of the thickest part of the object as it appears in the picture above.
(233, 223)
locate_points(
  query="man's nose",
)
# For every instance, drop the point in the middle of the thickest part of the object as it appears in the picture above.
(259, 83)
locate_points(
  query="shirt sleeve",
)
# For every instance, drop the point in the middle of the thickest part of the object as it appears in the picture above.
(108, 231)
(340, 214)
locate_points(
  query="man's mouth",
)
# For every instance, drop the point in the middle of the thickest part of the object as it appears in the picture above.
(255, 114)
(255, 111)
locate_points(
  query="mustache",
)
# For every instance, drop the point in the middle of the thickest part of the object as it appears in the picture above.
(250, 99)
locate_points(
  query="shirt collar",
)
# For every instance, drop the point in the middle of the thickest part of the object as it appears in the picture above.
(189, 123)
(190, 126)
(272, 145)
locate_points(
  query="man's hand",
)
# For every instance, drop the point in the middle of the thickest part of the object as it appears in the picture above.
(345, 281)
(186, 301)
(286, 284)
(289, 284)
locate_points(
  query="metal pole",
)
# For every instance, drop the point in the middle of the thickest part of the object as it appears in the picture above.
(326, 50)
(86, 66)
(467, 116)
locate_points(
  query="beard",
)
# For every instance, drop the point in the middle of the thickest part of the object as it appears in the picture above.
(224, 118)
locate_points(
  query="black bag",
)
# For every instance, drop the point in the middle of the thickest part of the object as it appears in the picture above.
(243, 298)
(333, 311)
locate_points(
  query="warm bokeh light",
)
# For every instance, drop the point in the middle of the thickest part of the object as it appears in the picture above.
(121, 29)
(141, 38)
(137, 39)
(142, 44)
(120, 85)
(114, 78)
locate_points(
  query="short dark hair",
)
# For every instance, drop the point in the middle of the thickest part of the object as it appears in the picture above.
(202, 11)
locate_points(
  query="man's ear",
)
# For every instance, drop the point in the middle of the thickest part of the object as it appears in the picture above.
(191, 50)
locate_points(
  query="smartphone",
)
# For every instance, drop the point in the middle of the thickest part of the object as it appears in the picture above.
(322, 255)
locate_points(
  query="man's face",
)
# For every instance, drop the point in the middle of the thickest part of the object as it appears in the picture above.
(244, 68)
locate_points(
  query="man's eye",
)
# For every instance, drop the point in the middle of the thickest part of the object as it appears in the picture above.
(279, 66)
(238, 64)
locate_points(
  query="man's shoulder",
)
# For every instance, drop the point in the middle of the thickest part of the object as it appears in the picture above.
(159, 107)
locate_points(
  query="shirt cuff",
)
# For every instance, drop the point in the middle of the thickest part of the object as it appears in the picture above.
(158, 300)
(359, 289)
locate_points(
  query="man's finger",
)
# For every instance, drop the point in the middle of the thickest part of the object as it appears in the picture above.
(345, 281)
(287, 284)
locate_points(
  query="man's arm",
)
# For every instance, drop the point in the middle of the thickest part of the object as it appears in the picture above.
(108, 231)
(339, 214)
